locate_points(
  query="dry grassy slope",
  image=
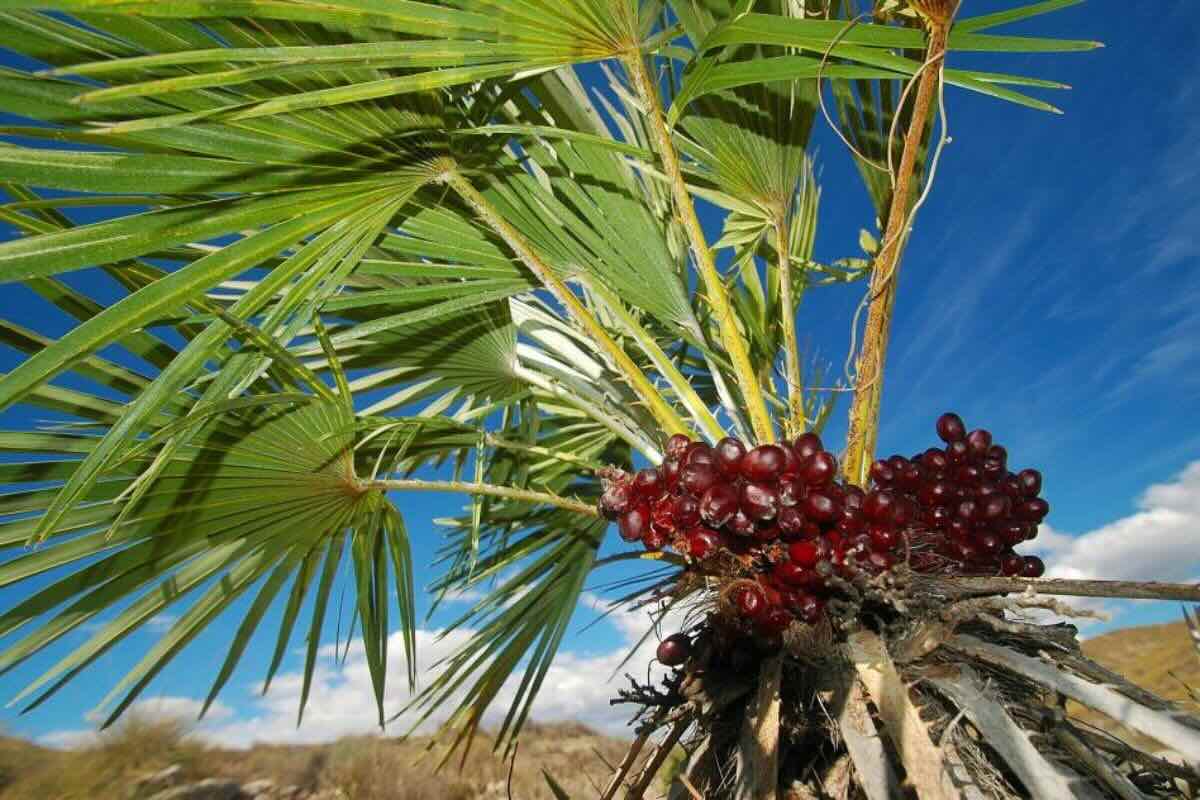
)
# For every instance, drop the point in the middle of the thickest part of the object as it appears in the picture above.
(363, 768)
(1160, 658)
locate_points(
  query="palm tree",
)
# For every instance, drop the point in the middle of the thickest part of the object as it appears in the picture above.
(347, 242)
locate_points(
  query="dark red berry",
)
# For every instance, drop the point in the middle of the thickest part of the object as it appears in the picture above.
(741, 524)
(1034, 510)
(759, 501)
(883, 536)
(967, 510)
(820, 469)
(934, 460)
(762, 464)
(633, 524)
(790, 521)
(1012, 564)
(957, 452)
(677, 445)
(998, 453)
(879, 504)
(662, 515)
(674, 650)
(671, 468)
(950, 427)
(791, 490)
(616, 499)
(697, 479)
(996, 507)
(701, 542)
(989, 544)
(718, 504)
(648, 484)
(807, 445)
(730, 452)
(748, 600)
(1030, 481)
(882, 474)
(686, 511)
(806, 553)
(1033, 567)
(790, 573)
(978, 442)
(820, 507)
(810, 608)
(854, 496)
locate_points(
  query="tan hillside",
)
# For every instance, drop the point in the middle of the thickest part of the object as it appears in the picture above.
(1161, 658)
(356, 768)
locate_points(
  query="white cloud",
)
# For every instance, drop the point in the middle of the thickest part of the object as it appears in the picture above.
(67, 739)
(166, 707)
(1160, 541)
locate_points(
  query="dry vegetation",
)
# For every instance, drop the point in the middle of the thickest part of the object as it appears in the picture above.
(363, 768)
(1160, 658)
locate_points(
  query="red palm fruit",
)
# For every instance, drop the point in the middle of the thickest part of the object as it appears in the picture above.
(759, 501)
(993, 469)
(1012, 533)
(1010, 486)
(807, 553)
(791, 463)
(648, 484)
(616, 500)
(958, 529)
(789, 573)
(671, 468)
(879, 505)
(966, 551)
(774, 621)
(968, 475)
(766, 533)
(730, 452)
(852, 516)
(996, 507)
(701, 542)
(957, 452)
(677, 445)
(898, 463)
(950, 427)
(1011, 564)
(790, 521)
(811, 529)
(810, 607)
(1033, 567)
(939, 517)
(882, 474)
(934, 460)
(967, 510)
(989, 544)
(790, 489)
(687, 511)
(740, 524)
(633, 524)
(904, 513)
(764, 463)
(986, 489)
(696, 479)
(1033, 510)
(911, 478)
(748, 600)
(662, 515)
(656, 539)
(699, 453)
(718, 504)
(883, 536)
(998, 453)
(674, 650)
(806, 446)
(1030, 481)
(820, 469)
(854, 496)
(978, 442)
(820, 507)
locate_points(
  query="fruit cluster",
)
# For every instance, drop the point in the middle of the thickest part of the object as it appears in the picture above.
(782, 512)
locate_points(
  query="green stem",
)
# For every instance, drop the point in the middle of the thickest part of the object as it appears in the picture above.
(486, 490)
(791, 348)
(679, 382)
(557, 455)
(667, 417)
(864, 412)
(714, 287)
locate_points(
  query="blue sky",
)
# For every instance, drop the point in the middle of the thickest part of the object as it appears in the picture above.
(1050, 293)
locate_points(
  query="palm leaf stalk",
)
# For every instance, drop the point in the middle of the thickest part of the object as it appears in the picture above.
(360, 250)
(885, 277)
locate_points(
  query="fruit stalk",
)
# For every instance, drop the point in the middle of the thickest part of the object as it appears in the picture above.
(864, 412)
(667, 417)
(795, 424)
(714, 288)
(1125, 590)
(486, 490)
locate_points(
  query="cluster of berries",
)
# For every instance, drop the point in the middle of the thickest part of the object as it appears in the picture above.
(782, 512)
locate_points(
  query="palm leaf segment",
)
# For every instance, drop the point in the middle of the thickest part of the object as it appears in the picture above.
(370, 237)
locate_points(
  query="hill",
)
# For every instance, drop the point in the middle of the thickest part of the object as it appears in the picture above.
(1161, 658)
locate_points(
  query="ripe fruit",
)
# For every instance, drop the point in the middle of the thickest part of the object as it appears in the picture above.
(763, 463)
(634, 523)
(950, 427)
(788, 523)
(674, 650)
